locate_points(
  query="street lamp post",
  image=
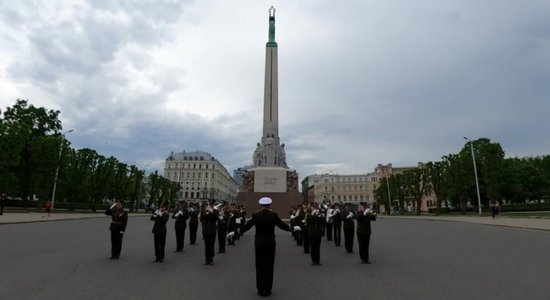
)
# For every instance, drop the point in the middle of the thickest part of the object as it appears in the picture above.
(389, 195)
(57, 167)
(475, 173)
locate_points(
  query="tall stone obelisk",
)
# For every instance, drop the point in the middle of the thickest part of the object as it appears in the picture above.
(270, 152)
(270, 176)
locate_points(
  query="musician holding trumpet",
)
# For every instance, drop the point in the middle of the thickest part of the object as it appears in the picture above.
(181, 214)
(316, 220)
(209, 218)
(364, 217)
(160, 217)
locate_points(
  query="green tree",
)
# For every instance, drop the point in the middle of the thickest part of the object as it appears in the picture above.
(435, 177)
(22, 125)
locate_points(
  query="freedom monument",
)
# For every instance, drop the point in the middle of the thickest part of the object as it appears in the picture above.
(270, 175)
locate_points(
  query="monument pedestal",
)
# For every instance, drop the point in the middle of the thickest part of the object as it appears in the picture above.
(279, 184)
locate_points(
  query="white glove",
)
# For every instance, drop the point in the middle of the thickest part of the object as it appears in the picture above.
(121, 232)
(112, 206)
(180, 213)
(367, 211)
(231, 234)
(297, 228)
(158, 212)
(350, 215)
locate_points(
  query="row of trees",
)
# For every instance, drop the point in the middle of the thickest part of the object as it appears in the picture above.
(33, 149)
(451, 180)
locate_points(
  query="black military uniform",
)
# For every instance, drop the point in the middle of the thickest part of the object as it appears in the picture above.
(223, 224)
(209, 218)
(193, 224)
(264, 244)
(348, 218)
(119, 219)
(363, 232)
(160, 217)
(181, 215)
(337, 225)
(315, 221)
(305, 231)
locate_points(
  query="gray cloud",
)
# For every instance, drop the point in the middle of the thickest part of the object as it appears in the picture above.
(361, 82)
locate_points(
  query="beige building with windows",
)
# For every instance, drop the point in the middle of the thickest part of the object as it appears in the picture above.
(357, 188)
(201, 176)
(340, 188)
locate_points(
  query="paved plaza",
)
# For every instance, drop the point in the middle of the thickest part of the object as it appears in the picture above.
(412, 259)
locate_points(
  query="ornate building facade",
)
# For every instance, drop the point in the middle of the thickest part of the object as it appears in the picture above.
(201, 176)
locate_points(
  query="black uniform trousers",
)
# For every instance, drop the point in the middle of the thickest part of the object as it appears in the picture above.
(116, 243)
(337, 234)
(160, 242)
(222, 233)
(348, 239)
(364, 241)
(265, 259)
(180, 238)
(209, 243)
(329, 231)
(299, 237)
(193, 233)
(305, 237)
(315, 244)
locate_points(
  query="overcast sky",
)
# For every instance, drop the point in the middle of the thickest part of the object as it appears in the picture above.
(360, 82)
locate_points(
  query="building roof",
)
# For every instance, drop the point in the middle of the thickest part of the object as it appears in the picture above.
(190, 155)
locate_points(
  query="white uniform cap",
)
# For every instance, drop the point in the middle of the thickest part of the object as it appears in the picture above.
(265, 201)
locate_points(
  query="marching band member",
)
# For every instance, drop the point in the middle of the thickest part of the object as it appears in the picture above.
(336, 224)
(119, 219)
(329, 219)
(193, 222)
(348, 218)
(209, 218)
(232, 224)
(181, 215)
(223, 218)
(265, 221)
(293, 219)
(305, 227)
(364, 217)
(160, 217)
(315, 220)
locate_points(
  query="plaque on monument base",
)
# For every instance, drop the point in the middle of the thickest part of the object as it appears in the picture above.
(270, 179)
(279, 184)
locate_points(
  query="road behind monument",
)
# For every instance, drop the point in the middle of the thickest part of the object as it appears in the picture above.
(412, 259)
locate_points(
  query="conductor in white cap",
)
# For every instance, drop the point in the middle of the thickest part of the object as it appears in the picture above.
(265, 221)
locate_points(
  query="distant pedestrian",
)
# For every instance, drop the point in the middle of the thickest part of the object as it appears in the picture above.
(47, 208)
(119, 219)
(364, 217)
(495, 209)
(264, 244)
(160, 217)
(3, 200)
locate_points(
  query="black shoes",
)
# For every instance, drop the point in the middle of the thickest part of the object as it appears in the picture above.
(366, 262)
(209, 263)
(264, 293)
(159, 260)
